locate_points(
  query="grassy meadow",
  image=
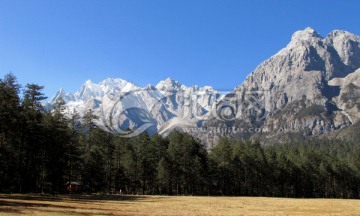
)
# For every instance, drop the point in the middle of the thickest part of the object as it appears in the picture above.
(33, 204)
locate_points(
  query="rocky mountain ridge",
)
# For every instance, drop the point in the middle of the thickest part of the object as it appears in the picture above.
(296, 84)
(121, 105)
(310, 87)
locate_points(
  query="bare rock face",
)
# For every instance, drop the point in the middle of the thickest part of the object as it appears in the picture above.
(347, 47)
(348, 99)
(304, 67)
(292, 87)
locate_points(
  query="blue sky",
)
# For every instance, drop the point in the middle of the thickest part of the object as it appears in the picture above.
(63, 43)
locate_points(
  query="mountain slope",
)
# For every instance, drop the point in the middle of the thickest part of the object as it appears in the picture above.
(348, 99)
(310, 87)
(292, 88)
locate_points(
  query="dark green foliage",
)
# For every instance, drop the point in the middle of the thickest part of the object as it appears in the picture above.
(33, 97)
(41, 151)
(311, 169)
(9, 127)
(186, 159)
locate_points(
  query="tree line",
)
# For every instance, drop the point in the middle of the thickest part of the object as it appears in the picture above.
(41, 150)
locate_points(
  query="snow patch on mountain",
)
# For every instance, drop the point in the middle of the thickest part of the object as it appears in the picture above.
(122, 105)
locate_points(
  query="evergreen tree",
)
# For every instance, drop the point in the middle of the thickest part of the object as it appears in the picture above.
(222, 165)
(32, 132)
(183, 152)
(74, 149)
(9, 126)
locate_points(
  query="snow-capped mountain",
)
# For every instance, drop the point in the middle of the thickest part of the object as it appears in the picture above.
(310, 87)
(122, 105)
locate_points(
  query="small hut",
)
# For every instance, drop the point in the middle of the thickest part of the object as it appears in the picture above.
(73, 186)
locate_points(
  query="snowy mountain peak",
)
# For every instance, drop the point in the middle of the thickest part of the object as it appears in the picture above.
(168, 85)
(57, 95)
(150, 87)
(89, 89)
(61, 91)
(89, 84)
(207, 88)
(66, 97)
(116, 82)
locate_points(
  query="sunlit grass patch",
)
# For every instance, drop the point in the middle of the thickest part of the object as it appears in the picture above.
(171, 205)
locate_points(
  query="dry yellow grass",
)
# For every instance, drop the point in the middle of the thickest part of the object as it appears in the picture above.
(172, 205)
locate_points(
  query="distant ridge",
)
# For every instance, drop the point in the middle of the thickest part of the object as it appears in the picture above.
(308, 88)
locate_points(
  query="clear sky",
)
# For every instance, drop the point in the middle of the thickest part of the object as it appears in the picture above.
(63, 43)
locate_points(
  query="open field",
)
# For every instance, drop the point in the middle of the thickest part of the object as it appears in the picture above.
(171, 205)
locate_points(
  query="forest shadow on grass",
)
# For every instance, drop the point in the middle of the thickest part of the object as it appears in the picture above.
(18, 206)
(72, 197)
(19, 203)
